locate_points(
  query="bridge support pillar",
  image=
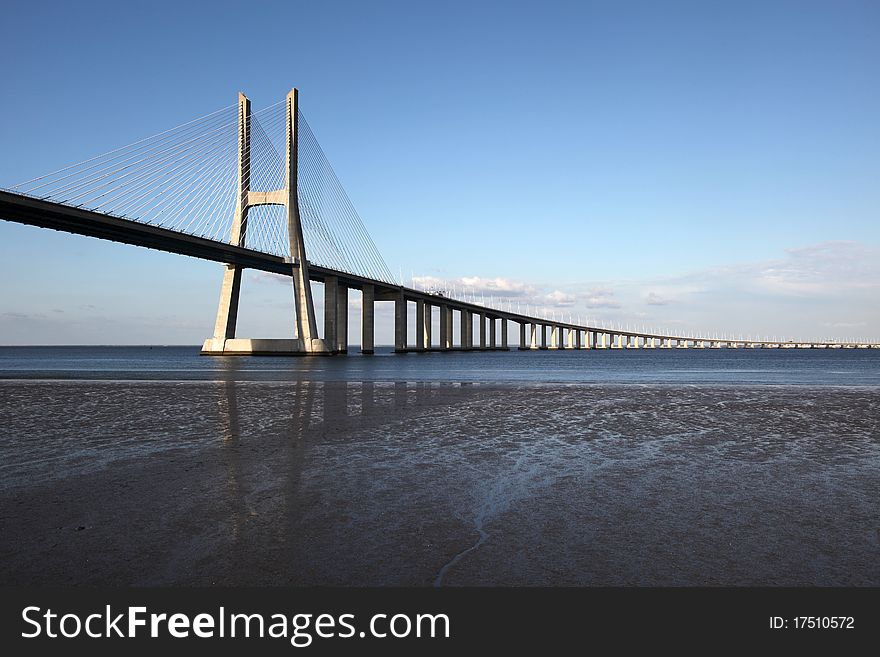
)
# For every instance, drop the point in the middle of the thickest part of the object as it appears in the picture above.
(400, 323)
(482, 329)
(463, 329)
(554, 337)
(307, 340)
(428, 326)
(445, 327)
(331, 308)
(522, 336)
(342, 319)
(368, 308)
(449, 327)
(504, 326)
(227, 309)
(491, 332)
(420, 324)
(230, 289)
(533, 338)
(302, 288)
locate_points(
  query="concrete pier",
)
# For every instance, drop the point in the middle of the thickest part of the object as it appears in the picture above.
(400, 323)
(368, 307)
(342, 319)
(420, 325)
(445, 327)
(331, 301)
(227, 309)
(463, 332)
(427, 326)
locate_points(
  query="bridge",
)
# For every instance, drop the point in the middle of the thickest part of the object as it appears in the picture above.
(254, 190)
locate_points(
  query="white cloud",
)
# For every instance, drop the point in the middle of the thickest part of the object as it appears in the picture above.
(654, 299)
(497, 287)
(268, 277)
(831, 289)
(560, 299)
(601, 298)
(821, 270)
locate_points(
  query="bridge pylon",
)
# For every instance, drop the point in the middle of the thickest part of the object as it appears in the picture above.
(224, 342)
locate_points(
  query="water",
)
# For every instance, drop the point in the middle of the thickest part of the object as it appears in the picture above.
(674, 366)
(150, 466)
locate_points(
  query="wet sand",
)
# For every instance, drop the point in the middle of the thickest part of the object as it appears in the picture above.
(418, 484)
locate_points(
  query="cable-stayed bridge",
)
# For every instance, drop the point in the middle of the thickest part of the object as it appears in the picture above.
(254, 189)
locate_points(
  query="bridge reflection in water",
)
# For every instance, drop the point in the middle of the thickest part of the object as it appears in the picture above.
(283, 451)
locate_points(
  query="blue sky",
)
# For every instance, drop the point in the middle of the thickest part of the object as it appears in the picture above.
(709, 166)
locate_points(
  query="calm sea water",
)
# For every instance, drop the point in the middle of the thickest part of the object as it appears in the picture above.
(720, 366)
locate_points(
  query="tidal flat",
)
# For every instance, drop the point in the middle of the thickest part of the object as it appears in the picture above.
(370, 483)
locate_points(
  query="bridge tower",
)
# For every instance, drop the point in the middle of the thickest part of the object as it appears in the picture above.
(224, 342)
